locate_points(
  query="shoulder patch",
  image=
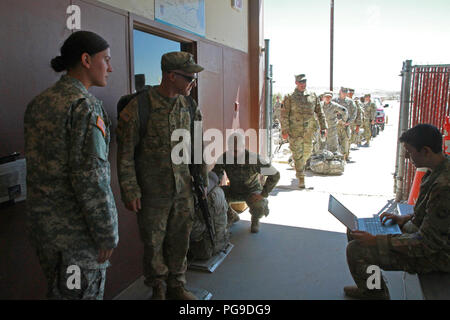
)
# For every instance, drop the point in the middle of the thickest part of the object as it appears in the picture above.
(101, 125)
(124, 115)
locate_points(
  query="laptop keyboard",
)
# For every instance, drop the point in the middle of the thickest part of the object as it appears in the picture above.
(374, 226)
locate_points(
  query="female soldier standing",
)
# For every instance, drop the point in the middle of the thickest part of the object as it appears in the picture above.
(72, 216)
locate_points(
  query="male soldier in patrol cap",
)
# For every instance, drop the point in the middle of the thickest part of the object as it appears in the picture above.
(359, 117)
(423, 246)
(298, 122)
(152, 185)
(370, 113)
(243, 169)
(332, 110)
(344, 131)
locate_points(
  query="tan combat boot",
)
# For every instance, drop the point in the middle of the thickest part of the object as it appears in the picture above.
(159, 291)
(301, 182)
(255, 225)
(355, 292)
(180, 293)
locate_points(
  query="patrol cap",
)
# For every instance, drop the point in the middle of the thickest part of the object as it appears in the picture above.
(179, 60)
(328, 94)
(351, 90)
(300, 78)
(367, 95)
(344, 90)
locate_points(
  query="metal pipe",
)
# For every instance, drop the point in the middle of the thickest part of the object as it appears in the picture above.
(331, 44)
(267, 95)
(403, 125)
(271, 109)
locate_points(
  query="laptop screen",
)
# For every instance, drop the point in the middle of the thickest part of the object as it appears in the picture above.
(342, 213)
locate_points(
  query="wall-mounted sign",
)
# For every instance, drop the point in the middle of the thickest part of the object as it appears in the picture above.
(236, 4)
(186, 15)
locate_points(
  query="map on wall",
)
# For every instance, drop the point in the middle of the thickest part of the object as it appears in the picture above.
(188, 15)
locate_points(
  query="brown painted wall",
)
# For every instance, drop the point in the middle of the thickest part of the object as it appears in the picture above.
(34, 32)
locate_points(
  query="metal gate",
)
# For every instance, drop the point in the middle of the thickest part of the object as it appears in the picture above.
(424, 98)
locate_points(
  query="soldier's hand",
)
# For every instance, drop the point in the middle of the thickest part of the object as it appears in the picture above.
(134, 205)
(357, 129)
(104, 254)
(400, 220)
(364, 238)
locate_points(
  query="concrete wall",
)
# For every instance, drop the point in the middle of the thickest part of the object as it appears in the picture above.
(224, 24)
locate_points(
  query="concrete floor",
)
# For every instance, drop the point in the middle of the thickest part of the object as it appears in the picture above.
(300, 250)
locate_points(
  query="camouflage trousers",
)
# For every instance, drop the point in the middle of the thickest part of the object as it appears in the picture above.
(399, 258)
(344, 135)
(301, 149)
(61, 285)
(258, 209)
(165, 226)
(332, 142)
(356, 138)
(367, 131)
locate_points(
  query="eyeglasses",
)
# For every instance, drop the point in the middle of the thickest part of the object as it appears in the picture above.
(189, 79)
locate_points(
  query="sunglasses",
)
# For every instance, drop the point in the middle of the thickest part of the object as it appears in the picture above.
(189, 79)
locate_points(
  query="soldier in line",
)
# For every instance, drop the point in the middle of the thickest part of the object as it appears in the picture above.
(344, 125)
(370, 113)
(332, 110)
(152, 185)
(297, 121)
(243, 169)
(423, 246)
(359, 120)
(277, 109)
(72, 216)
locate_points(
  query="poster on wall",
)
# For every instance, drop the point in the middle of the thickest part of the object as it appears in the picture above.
(188, 15)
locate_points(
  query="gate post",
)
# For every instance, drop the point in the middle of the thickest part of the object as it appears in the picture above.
(402, 127)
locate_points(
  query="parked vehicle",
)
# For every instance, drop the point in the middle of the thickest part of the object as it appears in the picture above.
(380, 119)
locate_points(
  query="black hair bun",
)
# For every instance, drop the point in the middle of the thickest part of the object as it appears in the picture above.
(58, 64)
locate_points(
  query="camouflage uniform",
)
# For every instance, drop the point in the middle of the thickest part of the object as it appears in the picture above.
(299, 122)
(423, 246)
(331, 112)
(359, 121)
(344, 132)
(244, 181)
(277, 111)
(370, 113)
(165, 188)
(71, 208)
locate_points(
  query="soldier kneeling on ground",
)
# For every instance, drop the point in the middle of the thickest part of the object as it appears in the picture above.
(243, 168)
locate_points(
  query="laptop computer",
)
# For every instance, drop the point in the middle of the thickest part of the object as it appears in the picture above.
(370, 225)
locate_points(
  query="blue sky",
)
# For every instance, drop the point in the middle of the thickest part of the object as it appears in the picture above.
(372, 39)
(148, 50)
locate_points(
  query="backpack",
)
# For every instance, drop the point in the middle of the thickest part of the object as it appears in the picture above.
(143, 102)
(327, 163)
(200, 246)
(144, 107)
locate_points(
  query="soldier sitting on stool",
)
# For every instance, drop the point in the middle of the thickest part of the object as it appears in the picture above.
(423, 246)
